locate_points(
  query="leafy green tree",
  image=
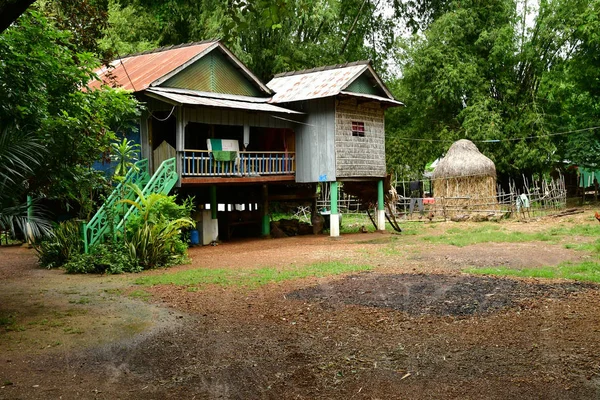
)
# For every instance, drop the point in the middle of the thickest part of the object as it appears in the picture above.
(270, 36)
(42, 75)
(480, 72)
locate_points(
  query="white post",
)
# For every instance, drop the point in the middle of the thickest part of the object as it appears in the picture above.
(334, 217)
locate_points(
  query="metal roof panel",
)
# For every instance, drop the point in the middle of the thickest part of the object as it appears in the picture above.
(199, 100)
(313, 85)
(137, 72)
(373, 97)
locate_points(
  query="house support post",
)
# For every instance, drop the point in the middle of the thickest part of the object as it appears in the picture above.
(266, 221)
(179, 142)
(380, 206)
(213, 201)
(210, 223)
(334, 217)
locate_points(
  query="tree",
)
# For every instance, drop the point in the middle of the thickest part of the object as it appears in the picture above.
(270, 36)
(479, 72)
(125, 154)
(42, 75)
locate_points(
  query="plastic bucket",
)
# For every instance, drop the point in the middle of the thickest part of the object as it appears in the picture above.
(194, 237)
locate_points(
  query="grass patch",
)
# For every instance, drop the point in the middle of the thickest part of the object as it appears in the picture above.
(252, 278)
(82, 300)
(7, 320)
(488, 233)
(588, 271)
(592, 247)
(73, 331)
(140, 294)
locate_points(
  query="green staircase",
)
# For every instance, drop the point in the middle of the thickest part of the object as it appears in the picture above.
(163, 180)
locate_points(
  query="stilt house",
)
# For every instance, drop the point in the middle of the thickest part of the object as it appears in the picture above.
(238, 143)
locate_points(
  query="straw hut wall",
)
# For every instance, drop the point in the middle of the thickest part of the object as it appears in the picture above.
(465, 180)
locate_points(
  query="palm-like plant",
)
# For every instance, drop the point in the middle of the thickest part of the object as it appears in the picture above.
(153, 236)
(125, 153)
(19, 154)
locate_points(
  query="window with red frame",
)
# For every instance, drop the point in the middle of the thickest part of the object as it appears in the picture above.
(358, 128)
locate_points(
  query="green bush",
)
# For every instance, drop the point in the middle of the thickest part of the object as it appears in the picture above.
(153, 239)
(103, 259)
(158, 244)
(154, 235)
(64, 243)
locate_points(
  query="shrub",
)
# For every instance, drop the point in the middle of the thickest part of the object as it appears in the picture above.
(153, 235)
(159, 244)
(64, 243)
(103, 259)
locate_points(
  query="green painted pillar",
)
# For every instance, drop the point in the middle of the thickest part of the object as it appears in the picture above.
(213, 201)
(380, 200)
(84, 237)
(29, 208)
(334, 197)
(334, 217)
(380, 206)
(266, 220)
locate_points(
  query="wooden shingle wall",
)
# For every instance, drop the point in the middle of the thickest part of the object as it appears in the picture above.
(359, 156)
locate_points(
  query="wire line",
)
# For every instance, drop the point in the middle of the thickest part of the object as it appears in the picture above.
(502, 140)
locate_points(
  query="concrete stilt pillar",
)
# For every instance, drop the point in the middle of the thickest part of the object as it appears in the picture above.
(210, 225)
(334, 217)
(266, 220)
(380, 207)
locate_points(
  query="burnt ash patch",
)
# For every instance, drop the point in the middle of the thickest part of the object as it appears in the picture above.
(441, 295)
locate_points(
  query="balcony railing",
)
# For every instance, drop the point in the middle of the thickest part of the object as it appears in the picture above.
(247, 164)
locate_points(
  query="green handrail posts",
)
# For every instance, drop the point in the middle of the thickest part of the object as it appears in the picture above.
(163, 180)
(95, 230)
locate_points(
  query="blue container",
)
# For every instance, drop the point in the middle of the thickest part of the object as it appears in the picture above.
(194, 237)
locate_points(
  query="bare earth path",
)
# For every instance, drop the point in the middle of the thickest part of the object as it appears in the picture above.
(415, 327)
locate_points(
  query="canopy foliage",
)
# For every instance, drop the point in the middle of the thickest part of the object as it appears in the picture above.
(42, 73)
(504, 76)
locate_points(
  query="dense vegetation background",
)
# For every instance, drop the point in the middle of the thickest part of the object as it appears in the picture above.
(512, 75)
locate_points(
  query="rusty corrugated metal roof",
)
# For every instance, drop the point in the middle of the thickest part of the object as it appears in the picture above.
(325, 82)
(138, 72)
(190, 97)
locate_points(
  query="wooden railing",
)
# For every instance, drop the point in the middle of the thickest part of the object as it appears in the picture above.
(247, 164)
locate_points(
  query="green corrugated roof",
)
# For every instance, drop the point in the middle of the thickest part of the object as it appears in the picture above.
(213, 73)
(363, 84)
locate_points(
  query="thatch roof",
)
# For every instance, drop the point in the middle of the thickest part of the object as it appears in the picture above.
(464, 159)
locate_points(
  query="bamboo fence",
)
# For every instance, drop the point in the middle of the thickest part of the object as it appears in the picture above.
(541, 197)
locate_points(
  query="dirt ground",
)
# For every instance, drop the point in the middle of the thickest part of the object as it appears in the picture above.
(414, 327)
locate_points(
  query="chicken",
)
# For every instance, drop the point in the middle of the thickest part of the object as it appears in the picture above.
(430, 216)
(597, 216)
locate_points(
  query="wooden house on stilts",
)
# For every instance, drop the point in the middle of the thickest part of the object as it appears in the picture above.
(240, 142)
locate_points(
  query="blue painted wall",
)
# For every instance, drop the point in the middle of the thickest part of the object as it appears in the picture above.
(109, 167)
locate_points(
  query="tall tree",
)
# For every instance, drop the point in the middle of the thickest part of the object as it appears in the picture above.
(42, 75)
(479, 72)
(270, 36)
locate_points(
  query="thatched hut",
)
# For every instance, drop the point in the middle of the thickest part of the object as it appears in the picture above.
(465, 180)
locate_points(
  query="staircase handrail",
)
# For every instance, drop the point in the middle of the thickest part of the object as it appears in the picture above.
(163, 180)
(95, 229)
